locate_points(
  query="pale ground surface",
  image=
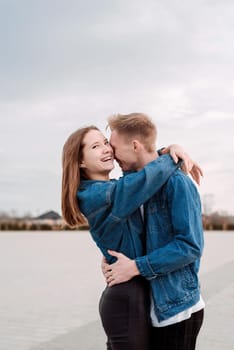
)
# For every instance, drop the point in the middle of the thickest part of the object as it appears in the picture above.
(48, 300)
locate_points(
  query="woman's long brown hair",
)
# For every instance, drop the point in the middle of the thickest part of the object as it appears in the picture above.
(71, 177)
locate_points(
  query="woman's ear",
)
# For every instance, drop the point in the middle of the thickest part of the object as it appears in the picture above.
(82, 165)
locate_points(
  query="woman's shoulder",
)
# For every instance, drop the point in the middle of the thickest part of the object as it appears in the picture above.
(94, 195)
(98, 191)
(93, 185)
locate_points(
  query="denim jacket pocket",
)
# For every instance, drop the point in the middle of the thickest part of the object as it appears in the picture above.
(174, 289)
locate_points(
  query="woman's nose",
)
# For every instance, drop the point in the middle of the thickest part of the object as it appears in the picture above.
(107, 148)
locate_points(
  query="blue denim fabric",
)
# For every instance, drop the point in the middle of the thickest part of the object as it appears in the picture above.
(174, 246)
(112, 207)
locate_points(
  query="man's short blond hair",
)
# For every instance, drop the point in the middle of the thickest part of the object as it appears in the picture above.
(135, 125)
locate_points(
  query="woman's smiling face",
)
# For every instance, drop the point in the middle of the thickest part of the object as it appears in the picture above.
(98, 160)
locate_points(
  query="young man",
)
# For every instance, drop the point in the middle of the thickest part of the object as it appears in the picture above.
(174, 240)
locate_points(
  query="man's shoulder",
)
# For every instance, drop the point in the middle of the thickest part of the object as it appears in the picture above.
(179, 174)
(178, 177)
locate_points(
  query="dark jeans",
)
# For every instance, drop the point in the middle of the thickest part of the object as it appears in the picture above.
(124, 311)
(178, 336)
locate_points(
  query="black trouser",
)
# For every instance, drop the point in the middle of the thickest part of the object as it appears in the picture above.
(178, 336)
(124, 310)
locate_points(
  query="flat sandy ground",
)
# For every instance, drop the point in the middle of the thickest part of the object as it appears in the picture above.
(51, 283)
(217, 280)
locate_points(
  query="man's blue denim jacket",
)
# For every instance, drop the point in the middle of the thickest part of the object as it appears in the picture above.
(174, 246)
(112, 207)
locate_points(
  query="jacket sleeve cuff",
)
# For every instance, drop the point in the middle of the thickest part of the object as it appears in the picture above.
(160, 151)
(145, 268)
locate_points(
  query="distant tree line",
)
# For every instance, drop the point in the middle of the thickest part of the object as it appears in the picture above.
(49, 221)
(218, 221)
(53, 221)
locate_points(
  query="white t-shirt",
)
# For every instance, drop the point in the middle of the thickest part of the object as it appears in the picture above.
(181, 316)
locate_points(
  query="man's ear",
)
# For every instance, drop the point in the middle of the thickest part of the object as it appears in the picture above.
(136, 145)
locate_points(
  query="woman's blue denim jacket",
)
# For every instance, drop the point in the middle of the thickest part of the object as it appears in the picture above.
(174, 246)
(112, 207)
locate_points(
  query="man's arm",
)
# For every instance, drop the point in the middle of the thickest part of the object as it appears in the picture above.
(188, 166)
(184, 248)
(121, 271)
(186, 244)
(124, 268)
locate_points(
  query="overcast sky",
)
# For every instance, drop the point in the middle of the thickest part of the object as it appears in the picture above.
(66, 64)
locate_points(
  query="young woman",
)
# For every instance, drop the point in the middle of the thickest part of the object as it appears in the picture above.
(112, 210)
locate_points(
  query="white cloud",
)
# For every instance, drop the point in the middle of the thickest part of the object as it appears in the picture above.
(73, 63)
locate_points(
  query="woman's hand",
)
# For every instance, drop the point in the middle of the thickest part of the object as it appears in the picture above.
(188, 166)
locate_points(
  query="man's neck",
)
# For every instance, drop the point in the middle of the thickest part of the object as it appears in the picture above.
(146, 158)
